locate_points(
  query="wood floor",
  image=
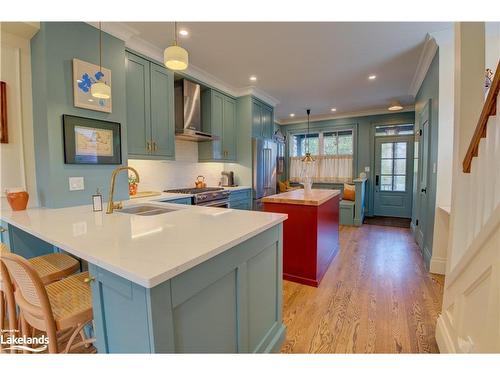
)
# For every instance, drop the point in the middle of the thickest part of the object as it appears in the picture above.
(376, 297)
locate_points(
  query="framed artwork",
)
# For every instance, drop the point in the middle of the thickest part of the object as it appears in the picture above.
(84, 75)
(91, 141)
(4, 131)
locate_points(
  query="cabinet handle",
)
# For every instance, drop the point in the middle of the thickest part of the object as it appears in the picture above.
(88, 280)
(3, 230)
(154, 146)
(148, 146)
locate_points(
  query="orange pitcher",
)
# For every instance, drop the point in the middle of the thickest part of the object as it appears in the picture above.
(18, 200)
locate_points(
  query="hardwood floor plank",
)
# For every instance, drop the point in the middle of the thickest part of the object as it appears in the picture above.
(376, 297)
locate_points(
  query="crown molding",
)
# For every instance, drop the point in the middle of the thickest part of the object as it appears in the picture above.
(424, 62)
(24, 30)
(133, 41)
(367, 112)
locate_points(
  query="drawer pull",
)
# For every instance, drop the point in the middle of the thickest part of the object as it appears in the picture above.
(89, 280)
(3, 230)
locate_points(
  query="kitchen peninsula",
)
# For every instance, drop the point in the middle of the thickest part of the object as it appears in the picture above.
(193, 279)
(311, 233)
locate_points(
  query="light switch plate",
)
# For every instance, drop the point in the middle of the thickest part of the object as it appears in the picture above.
(367, 169)
(76, 183)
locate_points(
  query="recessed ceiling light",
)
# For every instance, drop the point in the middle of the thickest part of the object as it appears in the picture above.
(292, 114)
(184, 32)
(395, 106)
(253, 78)
(333, 109)
(372, 77)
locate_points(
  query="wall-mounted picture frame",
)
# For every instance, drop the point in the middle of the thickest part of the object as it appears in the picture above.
(91, 141)
(4, 130)
(84, 75)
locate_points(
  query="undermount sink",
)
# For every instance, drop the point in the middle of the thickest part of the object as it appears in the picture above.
(146, 210)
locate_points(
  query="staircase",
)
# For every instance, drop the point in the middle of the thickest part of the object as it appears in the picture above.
(470, 319)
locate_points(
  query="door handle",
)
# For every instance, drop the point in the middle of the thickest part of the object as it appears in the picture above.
(424, 190)
(376, 180)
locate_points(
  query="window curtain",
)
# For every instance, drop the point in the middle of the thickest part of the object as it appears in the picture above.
(326, 168)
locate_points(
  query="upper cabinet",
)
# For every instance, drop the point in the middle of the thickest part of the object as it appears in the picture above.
(262, 120)
(218, 117)
(150, 109)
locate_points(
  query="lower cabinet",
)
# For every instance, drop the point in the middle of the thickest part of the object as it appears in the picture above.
(231, 303)
(241, 199)
(187, 201)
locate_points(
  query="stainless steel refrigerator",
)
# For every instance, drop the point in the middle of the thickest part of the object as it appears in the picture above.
(265, 154)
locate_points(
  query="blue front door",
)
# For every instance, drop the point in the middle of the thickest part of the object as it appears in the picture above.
(393, 176)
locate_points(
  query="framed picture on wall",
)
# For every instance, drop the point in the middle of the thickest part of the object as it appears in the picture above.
(4, 132)
(91, 141)
(84, 76)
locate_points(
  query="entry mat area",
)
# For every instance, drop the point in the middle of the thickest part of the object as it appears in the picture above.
(388, 221)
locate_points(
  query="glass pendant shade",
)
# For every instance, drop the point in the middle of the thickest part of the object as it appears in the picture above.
(176, 58)
(100, 90)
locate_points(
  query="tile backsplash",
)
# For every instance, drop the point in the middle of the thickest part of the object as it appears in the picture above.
(158, 175)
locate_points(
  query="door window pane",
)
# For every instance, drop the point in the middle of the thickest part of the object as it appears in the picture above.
(400, 151)
(386, 166)
(386, 183)
(387, 150)
(399, 183)
(399, 166)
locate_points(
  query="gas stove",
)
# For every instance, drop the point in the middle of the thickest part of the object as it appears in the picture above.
(209, 196)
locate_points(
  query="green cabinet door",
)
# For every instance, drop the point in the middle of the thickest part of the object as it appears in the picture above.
(229, 129)
(267, 122)
(162, 116)
(256, 119)
(138, 105)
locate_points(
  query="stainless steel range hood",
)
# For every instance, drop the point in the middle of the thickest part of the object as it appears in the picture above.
(188, 112)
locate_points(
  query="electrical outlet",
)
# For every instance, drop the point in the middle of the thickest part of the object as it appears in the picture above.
(76, 183)
(367, 169)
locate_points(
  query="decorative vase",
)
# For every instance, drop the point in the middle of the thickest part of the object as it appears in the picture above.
(132, 189)
(307, 185)
(18, 200)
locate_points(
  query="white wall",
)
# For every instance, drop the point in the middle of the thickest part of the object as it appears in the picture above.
(17, 157)
(160, 175)
(492, 44)
(445, 40)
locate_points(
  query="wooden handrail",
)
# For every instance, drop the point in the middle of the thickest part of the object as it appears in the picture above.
(489, 109)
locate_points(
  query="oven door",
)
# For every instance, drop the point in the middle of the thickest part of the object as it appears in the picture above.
(223, 203)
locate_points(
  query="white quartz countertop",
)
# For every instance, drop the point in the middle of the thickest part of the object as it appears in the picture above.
(147, 250)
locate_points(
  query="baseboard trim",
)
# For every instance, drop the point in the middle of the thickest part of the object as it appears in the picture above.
(275, 344)
(438, 265)
(427, 257)
(443, 338)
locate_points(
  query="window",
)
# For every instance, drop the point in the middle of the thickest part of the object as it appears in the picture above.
(393, 166)
(388, 130)
(333, 153)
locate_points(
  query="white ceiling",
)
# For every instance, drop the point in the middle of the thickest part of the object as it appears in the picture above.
(305, 65)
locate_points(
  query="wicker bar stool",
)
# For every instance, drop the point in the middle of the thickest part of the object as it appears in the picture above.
(60, 309)
(50, 268)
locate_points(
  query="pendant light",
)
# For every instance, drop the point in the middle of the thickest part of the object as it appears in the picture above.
(308, 158)
(176, 57)
(100, 89)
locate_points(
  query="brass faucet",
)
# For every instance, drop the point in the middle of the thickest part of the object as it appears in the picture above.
(111, 205)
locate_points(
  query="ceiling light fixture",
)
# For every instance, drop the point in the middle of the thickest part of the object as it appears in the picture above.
(184, 32)
(292, 114)
(100, 89)
(253, 78)
(372, 77)
(175, 57)
(395, 106)
(308, 158)
(333, 109)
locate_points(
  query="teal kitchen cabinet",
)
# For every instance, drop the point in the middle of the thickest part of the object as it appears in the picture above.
(262, 120)
(218, 116)
(187, 200)
(150, 109)
(241, 199)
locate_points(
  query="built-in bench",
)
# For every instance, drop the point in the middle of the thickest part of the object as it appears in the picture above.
(353, 212)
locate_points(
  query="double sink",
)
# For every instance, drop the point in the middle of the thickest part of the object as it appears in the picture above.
(146, 210)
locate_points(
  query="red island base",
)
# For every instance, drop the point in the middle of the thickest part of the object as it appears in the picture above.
(311, 233)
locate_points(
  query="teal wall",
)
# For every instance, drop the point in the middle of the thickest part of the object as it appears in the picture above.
(429, 90)
(363, 137)
(52, 51)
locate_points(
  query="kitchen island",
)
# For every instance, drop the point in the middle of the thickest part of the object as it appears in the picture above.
(311, 233)
(195, 279)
